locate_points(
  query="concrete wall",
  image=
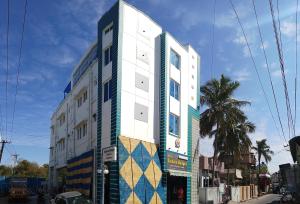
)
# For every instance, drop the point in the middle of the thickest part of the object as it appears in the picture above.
(138, 62)
(235, 194)
(243, 193)
(195, 161)
(210, 195)
(107, 40)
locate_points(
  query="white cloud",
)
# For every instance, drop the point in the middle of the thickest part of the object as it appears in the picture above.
(240, 40)
(277, 73)
(241, 74)
(288, 29)
(228, 18)
(260, 132)
(225, 20)
(265, 45)
(188, 17)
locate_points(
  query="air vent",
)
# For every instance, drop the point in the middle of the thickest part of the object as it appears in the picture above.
(141, 82)
(141, 112)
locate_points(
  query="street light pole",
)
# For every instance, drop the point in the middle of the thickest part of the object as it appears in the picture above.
(103, 177)
(103, 172)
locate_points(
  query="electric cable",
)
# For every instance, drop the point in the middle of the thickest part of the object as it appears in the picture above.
(254, 65)
(281, 61)
(213, 40)
(19, 64)
(268, 68)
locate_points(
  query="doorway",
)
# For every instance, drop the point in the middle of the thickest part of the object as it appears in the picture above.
(176, 189)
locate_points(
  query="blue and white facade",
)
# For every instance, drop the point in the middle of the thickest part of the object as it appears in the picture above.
(148, 109)
(136, 89)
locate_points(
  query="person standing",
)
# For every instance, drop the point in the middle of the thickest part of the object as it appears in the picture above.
(180, 195)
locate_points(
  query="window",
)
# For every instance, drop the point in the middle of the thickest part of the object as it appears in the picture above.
(107, 91)
(108, 29)
(79, 101)
(174, 124)
(174, 89)
(60, 145)
(81, 131)
(84, 96)
(95, 117)
(62, 119)
(84, 129)
(107, 55)
(175, 59)
(63, 144)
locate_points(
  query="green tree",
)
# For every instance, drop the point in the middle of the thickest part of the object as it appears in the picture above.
(222, 114)
(30, 169)
(5, 170)
(262, 150)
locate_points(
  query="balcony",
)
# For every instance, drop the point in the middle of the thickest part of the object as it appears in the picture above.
(206, 163)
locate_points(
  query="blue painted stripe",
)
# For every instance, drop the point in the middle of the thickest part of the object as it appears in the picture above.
(77, 176)
(81, 166)
(82, 156)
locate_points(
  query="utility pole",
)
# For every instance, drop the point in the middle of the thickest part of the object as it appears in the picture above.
(2, 144)
(15, 160)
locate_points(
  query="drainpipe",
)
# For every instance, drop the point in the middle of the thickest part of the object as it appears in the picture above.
(67, 130)
(90, 106)
(74, 122)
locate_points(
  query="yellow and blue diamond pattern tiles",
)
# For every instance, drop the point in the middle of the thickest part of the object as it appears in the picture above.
(140, 172)
(131, 172)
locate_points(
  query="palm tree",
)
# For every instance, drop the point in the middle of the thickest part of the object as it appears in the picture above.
(222, 111)
(262, 149)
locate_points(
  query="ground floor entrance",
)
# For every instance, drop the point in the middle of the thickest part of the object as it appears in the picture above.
(176, 189)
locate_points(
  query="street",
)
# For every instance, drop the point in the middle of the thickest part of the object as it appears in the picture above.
(30, 200)
(266, 199)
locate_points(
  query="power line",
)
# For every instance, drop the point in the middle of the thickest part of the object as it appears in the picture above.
(288, 105)
(19, 64)
(9, 152)
(213, 40)
(295, 116)
(281, 61)
(268, 68)
(254, 64)
(6, 83)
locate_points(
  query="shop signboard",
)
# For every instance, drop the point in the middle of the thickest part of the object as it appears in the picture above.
(176, 162)
(109, 153)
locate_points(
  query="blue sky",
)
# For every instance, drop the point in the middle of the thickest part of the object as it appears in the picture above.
(57, 33)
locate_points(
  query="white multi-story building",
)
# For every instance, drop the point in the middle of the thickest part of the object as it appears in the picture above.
(147, 111)
(74, 122)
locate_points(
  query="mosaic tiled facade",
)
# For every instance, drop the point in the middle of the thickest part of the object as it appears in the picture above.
(140, 172)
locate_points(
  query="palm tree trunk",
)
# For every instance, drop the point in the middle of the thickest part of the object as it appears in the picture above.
(213, 169)
(215, 153)
(227, 169)
(258, 180)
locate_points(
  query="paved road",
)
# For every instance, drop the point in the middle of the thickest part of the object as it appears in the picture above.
(266, 199)
(31, 200)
